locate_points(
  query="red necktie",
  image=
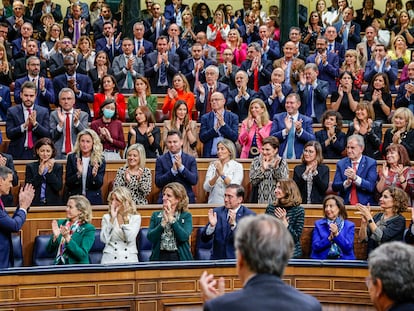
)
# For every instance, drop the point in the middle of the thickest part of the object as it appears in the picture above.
(1, 204)
(256, 80)
(29, 132)
(68, 142)
(208, 104)
(353, 199)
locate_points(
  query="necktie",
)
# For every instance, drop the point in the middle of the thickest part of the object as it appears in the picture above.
(256, 80)
(77, 32)
(330, 47)
(291, 140)
(138, 46)
(43, 186)
(1, 204)
(353, 198)
(68, 137)
(173, 47)
(345, 38)
(29, 132)
(208, 104)
(163, 74)
(130, 81)
(309, 101)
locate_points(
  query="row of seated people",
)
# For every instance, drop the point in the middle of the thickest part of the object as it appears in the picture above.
(122, 240)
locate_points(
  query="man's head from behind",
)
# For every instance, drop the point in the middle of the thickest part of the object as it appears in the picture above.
(391, 268)
(263, 245)
(6, 179)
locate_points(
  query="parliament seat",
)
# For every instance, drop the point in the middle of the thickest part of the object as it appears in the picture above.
(95, 254)
(203, 249)
(41, 257)
(144, 245)
(17, 250)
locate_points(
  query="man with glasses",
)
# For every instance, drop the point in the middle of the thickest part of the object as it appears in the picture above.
(217, 125)
(228, 70)
(104, 17)
(32, 49)
(4, 31)
(55, 62)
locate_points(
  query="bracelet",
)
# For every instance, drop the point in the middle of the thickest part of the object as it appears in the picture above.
(370, 221)
(223, 177)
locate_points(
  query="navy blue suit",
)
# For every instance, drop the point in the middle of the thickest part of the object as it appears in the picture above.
(320, 93)
(73, 184)
(207, 132)
(223, 235)
(42, 99)
(101, 45)
(264, 74)
(401, 100)
(367, 170)
(241, 109)
(150, 33)
(201, 105)
(169, 12)
(279, 125)
(153, 76)
(83, 83)
(391, 72)
(353, 39)
(15, 118)
(274, 50)
(5, 101)
(188, 177)
(249, 38)
(339, 50)
(148, 46)
(8, 198)
(276, 105)
(187, 68)
(328, 73)
(17, 51)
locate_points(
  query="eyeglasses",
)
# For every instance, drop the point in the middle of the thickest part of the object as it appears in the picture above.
(69, 65)
(66, 42)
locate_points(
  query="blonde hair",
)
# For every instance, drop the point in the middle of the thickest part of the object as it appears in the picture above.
(354, 53)
(49, 31)
(264, 118)
(4, 59)
(83, 205)
(406, 114)
(123, 195)
(81, 39)
(141, 151)
(97, 148)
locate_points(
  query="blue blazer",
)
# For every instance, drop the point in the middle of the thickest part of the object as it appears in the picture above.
(401, 100)
(101, 46)
(5, 101)
(43, 100)
(367, 170)
(340, 51)
(264, 74)
(153, 76)
(201, 105)
(353, 39)
(8, 225)
(170, 10)
(187, 68)
(223, 236)
(241, 109)
(319, 98)
(207, 132)
(274, 50)
(274, 106)
(392, 72)
(188, 177)
(279, 125)
(83, 83)
(93, 184)
(344, 240)
(328, 73)
(15, 118)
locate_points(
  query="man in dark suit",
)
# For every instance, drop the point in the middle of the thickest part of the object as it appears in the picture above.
(4, 31)
(333, 45)
(11, 224)
(222, 223)
(209, 52)
(7, 161)
(46, 6)
(349, 32)
(80, 84)
(177, 45)
(45, 94)
(176, 166)
(65, 116)
(161, 66)
(142, 47)
(5, 101)
(227, 70)
(104, 17)
(270, 47)
(193, 68)
(55, 63)
(205, 91)
(263, 248)
(20, 44)
(295, 36)
(258, 69)
(274, 94)
(239, 99)
(327, 63)
(174, 11)
(26, 124)
(313, 93)
(108, 43)
(156, 25)
(405, 96)
(356, 175)
(76, 26)
(292, 129)
(249, 32)
(32, 49)
(216, 125)
(16, 20)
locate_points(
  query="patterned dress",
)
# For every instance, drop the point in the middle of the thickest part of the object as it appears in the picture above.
(139, 188)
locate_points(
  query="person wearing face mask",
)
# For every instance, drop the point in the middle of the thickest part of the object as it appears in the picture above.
(109, 130)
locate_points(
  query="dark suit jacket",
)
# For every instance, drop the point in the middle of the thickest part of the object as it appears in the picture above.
(14, 34)
(339, 50)
(333, 150)
(264, 74)
(249, 38)
(188, 177)
(153, 76)
(43, 100)
(15, 118)
(274, 50)
(401, 100)
(187, 68)
(93, 184)
(70, 34)
(264, 292)
(303, 51)
(276, 105)
(367, 170)
(241, 109)
(407, 139)
(5, 101)
(150, 33)
(328, 73)
(353, 39)
(37, 12)
(319, 98)
(170, 10)
(392, 72)
(20, 70)
(148, 47)
(278, 126)
(223, 236)
(101, 45)
(8, 225)
(83, 83)
(53, 180)
(17, 50)
(201, 105)
(8, 199)
(207, 132)
(228, 80)
(319, 185)
(55, 65)
(96, 81)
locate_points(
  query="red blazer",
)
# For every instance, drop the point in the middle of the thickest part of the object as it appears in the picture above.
(169, 103)
(99, 98)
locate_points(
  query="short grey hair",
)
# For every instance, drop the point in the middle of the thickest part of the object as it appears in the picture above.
(212, 67)
(393, 264)
(265, 244)
(359, 139)
(4, 172)
(66, 90)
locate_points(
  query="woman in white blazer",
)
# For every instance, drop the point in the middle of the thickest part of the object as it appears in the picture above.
(120, 228)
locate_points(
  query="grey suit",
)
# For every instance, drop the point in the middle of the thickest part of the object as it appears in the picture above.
(57, 134)
(120, 71)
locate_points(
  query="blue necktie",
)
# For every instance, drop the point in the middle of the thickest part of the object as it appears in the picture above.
(345, 38)
(163, 74)
(291, 140)
(309, 101)
(43, 185)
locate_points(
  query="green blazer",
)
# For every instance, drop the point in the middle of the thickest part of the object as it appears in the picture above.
(182, 231)
(77, 250)
(133, 104)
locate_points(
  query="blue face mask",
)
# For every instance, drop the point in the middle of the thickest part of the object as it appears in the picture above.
(108, 113)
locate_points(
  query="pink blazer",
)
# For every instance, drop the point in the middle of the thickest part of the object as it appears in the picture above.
(239, 54)
(246, 137)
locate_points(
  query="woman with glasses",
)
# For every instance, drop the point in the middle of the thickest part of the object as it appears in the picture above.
(50, 46)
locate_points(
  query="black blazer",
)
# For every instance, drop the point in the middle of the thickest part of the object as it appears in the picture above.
(54, 183)
(320, 183)
(8, 198)
(372, 139)
(335, 149)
